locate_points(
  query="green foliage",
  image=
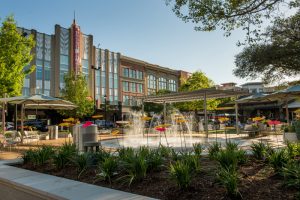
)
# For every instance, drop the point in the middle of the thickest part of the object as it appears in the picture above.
(126, 153)
(28, 156)
(228, 177)
(293, 149)
(154, 107)
(108, 168)
(15, 57)
(180, 173)
(230, 158)
(229, 15)
(43, 154)
(165, 151)
(154, 160)
(197, 81)
(278, 159)
(291, 173)
(99, 157)
(214, 149)
(231, 146)
(135, 167)
(76, 91)
(81, 162)
(260, 150)
(289, 129)
(192, 161)
(64, 155)
(277, 56)
(297, 128)
(197, 149)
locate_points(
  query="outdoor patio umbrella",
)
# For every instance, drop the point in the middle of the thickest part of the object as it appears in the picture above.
(38, 101)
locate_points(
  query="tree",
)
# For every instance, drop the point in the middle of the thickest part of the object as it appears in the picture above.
(229, 14)
(155, 107)
(197, 81)
(277, 56)
(15, 56)
(76, 91)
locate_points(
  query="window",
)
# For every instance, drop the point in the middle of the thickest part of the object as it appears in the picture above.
(39, 72)
(126, 72)
(132, 87)
(125, 86)
(151, 82)
(172, 85)
(140, 88)
(126, 100)
(132, 73)
(47, 74)
(162, 83)
(139, 75)
(64, 60)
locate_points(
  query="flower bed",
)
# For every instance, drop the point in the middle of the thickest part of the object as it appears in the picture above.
(225, 173)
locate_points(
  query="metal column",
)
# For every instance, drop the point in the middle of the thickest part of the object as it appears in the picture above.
(143, 108)
(236, 117)
(3, 115)
(287, 112)
(205, 115)
(165, 112)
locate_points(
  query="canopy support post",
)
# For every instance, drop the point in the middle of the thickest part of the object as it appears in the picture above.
(16, 117)
(287, 112)
(236, 117)
(3, 115)
(143, 108)
(205, 115)
(22, 122)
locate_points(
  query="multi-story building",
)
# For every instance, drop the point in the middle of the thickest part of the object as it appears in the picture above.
(110, 75)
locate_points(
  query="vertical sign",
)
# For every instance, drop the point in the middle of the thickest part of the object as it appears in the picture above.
(76, 50)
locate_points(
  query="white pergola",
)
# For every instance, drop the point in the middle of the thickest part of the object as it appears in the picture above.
(202, 94)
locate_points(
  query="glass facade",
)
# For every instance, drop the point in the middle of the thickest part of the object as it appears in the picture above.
(85, 57)
(151, 84)
(64, 56)
(172, 85)
(162, 83)
(113, 80)
(43, 64)
(132, 73)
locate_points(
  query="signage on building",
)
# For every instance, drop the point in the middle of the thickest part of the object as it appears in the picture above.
(31, 116)
(76, 49)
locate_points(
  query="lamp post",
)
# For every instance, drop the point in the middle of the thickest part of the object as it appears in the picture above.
(105, 110)
(95, 68)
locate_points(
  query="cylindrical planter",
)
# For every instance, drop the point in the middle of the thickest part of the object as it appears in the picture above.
(290, 137)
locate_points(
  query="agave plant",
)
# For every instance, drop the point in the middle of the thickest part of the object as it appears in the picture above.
(28, 156)
(154, 160)
(165, 152)
(228, 158)
(42, 155)
(108, 168)
(291, 173)
(278, 159)
(259, 150)
(213, 149)
(231, 146)
(228, 177)
(64, 155)
(197, 149)
(180, 173)
(135, 167)
(192, 161)
(81, 162)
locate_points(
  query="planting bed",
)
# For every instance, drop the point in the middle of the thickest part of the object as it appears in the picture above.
(256, 180)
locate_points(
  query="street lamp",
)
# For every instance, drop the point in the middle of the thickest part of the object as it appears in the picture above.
(105, 111)
(95, 68)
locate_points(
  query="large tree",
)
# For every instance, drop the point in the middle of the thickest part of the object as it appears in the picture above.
(197, 81)
(277, 56)
(76, 91)
(228, 15)
(15, 57)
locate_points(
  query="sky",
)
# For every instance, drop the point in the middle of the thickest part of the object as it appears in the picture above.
(143, 29)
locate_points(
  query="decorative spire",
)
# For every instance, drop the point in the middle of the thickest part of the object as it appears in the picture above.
(74, 21)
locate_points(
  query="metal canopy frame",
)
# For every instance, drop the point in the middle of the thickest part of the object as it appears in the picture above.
(209, 93)
(202, 94)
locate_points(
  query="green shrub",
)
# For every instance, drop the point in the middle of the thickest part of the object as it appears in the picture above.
(231, 146)
(278, 159)
(228, 177)
(108, 168)
(42, 155)
(291, 173)
(135, 167)
(259, 150)
(81, 162)
(213, 149)
(165, 152)
(28, 156)
(293, 149)
(154, 160)
(290, 129)
(180, 173)
(231, 158)
(297, 129)
(192, 161)
(64, 155)
(197, 149)
(126, 153)
(99, 156)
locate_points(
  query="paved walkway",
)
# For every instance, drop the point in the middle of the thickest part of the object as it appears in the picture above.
(29, 185)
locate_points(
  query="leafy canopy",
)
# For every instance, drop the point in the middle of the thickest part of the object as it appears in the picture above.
(229, 15)
(277, 56)
(15, 56)
(197, 81)
(76, 91)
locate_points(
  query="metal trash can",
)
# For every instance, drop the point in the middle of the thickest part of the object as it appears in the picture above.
(53, 132)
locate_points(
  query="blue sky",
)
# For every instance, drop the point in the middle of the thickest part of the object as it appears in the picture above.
(142, 29)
